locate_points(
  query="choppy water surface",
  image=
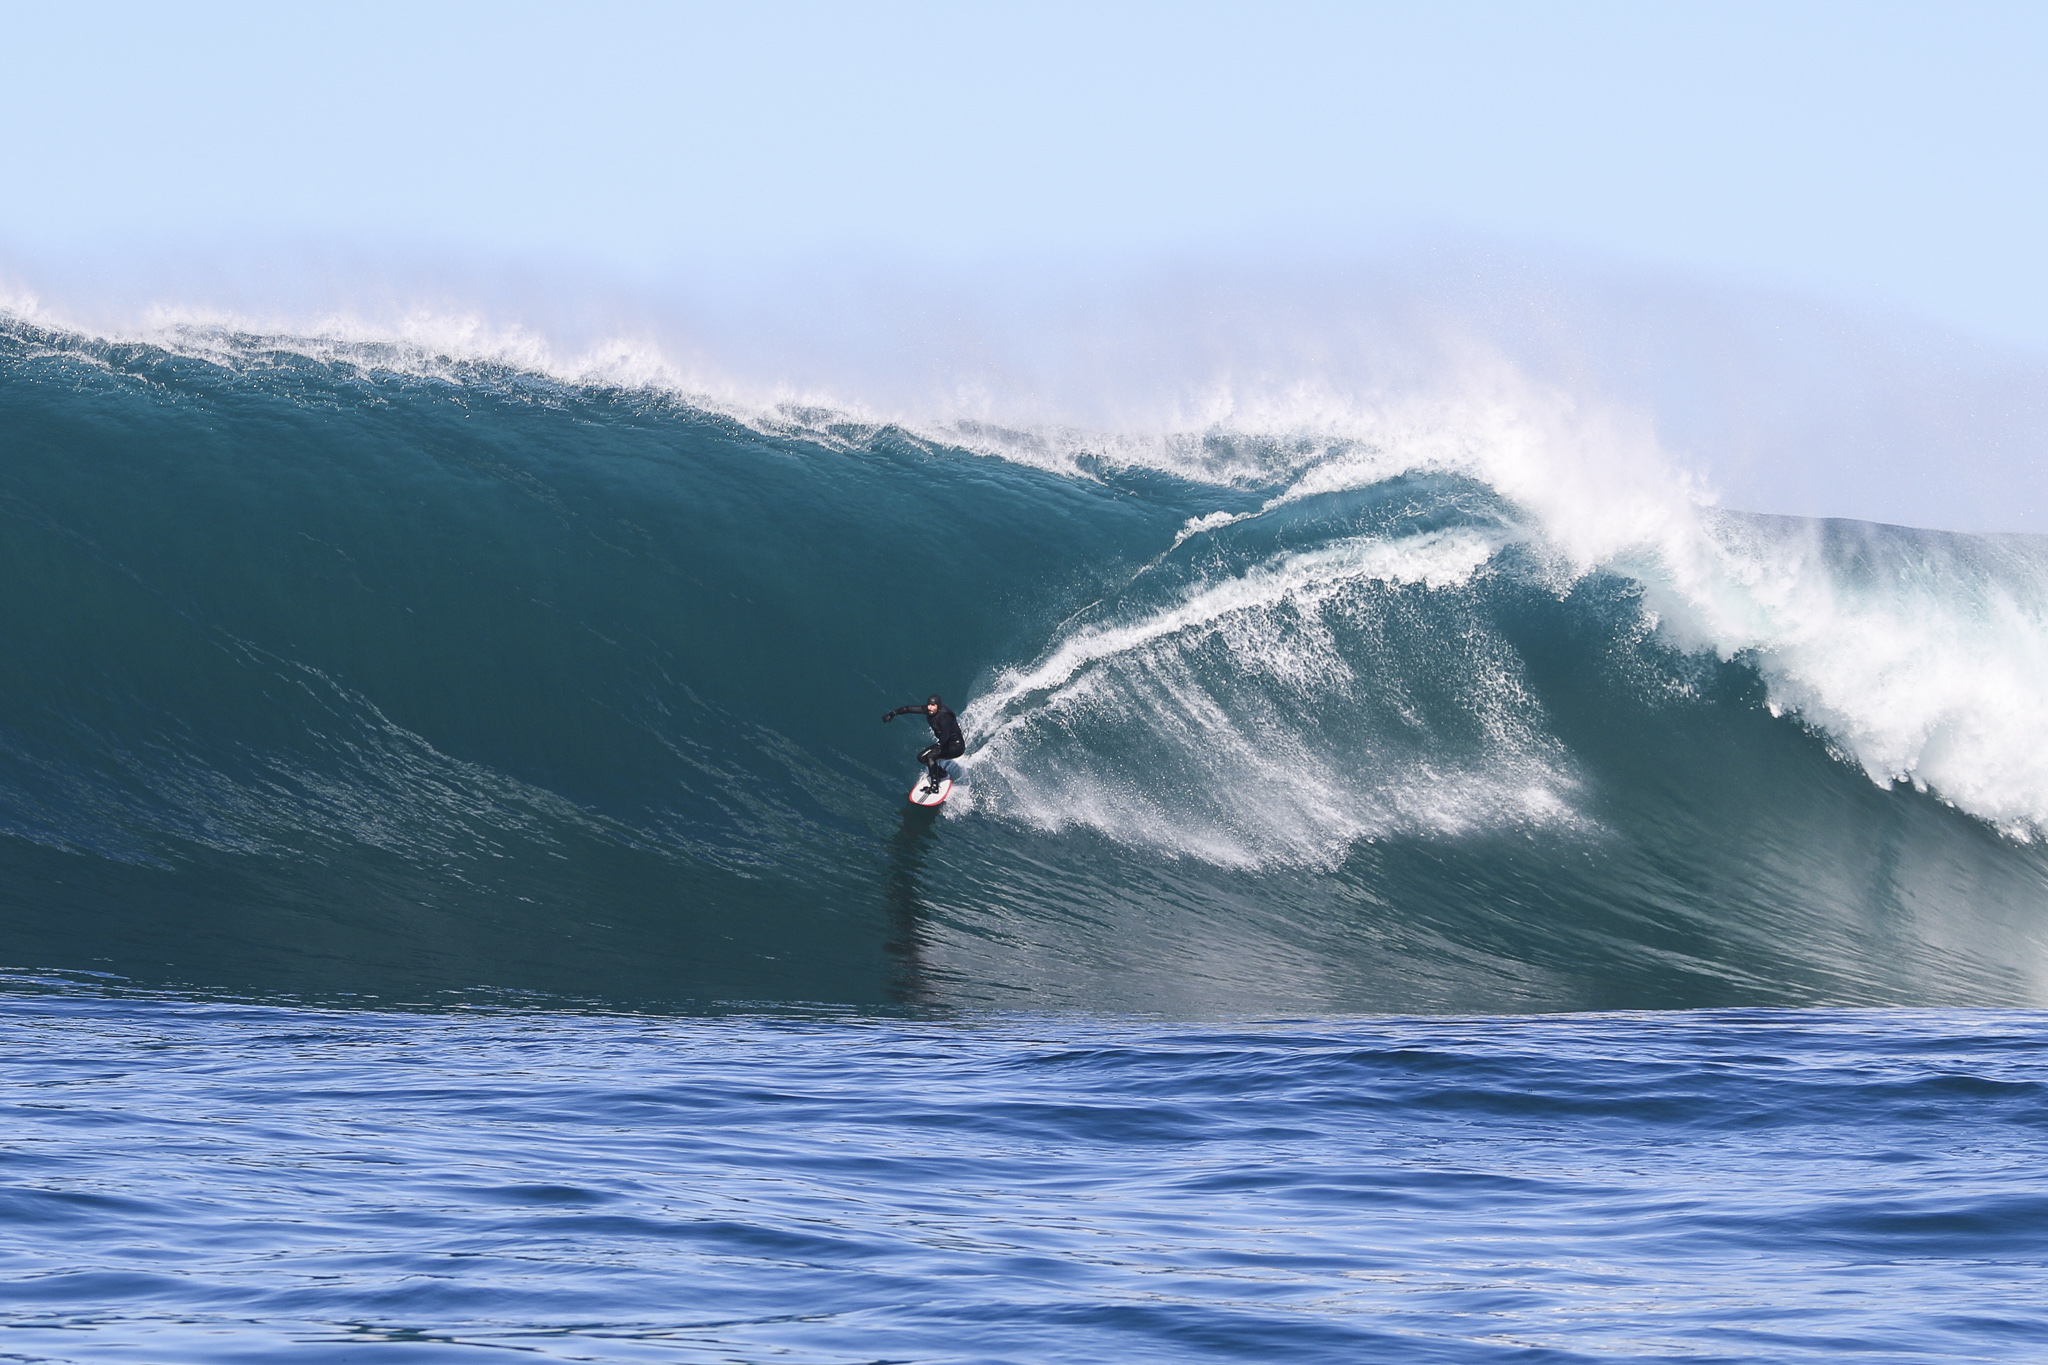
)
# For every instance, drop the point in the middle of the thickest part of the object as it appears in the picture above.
(199, 1181)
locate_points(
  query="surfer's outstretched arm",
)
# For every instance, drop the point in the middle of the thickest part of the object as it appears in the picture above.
(903, 711)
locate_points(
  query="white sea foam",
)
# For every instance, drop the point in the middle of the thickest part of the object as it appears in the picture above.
(1304, 581)
(1921, 656)
(1219, 690)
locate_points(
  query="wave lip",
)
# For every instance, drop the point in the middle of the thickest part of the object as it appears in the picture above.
(1921, 655)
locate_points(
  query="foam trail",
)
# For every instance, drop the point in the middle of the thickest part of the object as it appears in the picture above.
(1226, 682)
(1304, 581)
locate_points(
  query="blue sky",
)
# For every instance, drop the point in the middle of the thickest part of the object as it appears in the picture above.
(1806, 239)
(1888, 156)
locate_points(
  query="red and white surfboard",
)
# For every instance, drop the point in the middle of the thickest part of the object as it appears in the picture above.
(923, 795)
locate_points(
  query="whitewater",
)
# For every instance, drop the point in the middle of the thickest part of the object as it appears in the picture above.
(1428, 880)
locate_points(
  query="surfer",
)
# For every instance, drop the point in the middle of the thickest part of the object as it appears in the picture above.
(945, 728)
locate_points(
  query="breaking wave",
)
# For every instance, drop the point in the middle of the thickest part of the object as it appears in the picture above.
(341, 667)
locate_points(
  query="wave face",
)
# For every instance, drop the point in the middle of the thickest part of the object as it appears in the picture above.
(338, 671)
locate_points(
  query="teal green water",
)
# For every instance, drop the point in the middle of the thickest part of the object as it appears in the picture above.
(330, 678)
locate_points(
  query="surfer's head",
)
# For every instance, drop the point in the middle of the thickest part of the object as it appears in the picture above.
(932, 703)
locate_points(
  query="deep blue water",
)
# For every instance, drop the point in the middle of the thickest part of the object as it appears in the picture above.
(456, 894)
(198, 1181)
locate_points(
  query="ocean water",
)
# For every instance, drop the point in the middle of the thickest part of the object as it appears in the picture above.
(196, 1180)
(1431, 892)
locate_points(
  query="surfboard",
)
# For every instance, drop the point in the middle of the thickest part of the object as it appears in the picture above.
(920, 797)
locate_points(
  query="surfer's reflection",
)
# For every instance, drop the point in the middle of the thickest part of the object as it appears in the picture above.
(907, 938)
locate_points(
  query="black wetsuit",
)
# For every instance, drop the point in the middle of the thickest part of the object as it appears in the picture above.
(946, 729)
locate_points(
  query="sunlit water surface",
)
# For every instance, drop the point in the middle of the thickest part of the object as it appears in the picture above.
(197, 1180)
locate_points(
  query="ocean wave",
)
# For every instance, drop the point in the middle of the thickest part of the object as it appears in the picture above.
(354, 625)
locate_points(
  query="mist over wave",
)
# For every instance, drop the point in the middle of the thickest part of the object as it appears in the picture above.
(430, 659)
(1774, 403)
